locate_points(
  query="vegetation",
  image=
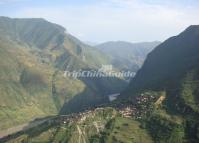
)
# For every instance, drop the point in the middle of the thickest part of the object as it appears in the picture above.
(125, 130)
(98, 126)
(33, 56)
(176, 120)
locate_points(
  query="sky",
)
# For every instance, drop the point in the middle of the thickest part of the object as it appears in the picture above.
(110, 20)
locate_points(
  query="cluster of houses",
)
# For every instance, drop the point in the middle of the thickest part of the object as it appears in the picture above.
(137, 109)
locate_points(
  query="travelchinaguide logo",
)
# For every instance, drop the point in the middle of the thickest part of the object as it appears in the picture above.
(104, 71)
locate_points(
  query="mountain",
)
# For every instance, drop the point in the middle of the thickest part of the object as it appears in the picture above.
(169, 61)
(171, 70)
(34, 54)
(126, 55)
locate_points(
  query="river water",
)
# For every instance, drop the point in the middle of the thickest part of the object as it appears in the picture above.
(113, 97)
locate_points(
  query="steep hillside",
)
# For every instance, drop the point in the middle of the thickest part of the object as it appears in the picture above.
(170, 60)
(126, 55)
(33, 56)
(26, 86)
(172, 68)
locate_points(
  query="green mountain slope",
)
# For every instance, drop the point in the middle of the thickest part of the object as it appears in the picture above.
(126, 55)
(26, 86)
(172, 68)
(33, 56)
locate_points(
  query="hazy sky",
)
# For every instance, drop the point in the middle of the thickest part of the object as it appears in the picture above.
(105, 20)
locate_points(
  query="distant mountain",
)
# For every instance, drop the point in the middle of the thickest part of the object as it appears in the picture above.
(33, 56)
(126, 55)
(91, 43)
(171, 71)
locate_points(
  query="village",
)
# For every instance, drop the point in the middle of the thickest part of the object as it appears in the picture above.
(141, 106)
(137, 109)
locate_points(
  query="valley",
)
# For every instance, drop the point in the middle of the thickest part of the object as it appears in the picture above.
(33, 89)
(40, 105)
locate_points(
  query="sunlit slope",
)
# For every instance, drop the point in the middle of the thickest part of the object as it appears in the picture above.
(26, 86)
(34, 54)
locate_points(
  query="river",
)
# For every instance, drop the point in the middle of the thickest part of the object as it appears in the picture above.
(113, 97)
